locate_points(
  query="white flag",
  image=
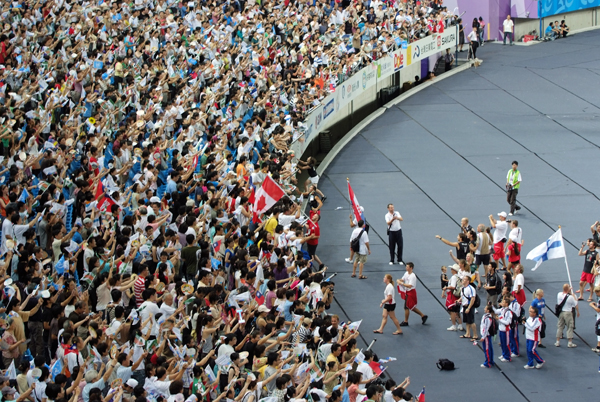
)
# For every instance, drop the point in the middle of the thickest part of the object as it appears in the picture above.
(552, 248)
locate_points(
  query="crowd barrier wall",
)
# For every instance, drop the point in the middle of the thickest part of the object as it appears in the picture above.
(361, 90)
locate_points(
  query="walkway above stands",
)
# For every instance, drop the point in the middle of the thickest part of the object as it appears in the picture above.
(443, 154)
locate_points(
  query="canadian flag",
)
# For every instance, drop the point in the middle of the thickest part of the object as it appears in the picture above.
(266, 196)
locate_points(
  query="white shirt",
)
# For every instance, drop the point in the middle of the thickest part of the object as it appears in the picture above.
(149, 309)
(472, 37)
(396, 224)
(500, 232)
(516, 235)
(389, 291)
(519, 281)
(467, 294)
(569, 304)
(508, 25)
(410, 279)
(364, 239)
(367, 373)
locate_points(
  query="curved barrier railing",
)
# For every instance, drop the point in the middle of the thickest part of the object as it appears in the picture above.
(367, 78)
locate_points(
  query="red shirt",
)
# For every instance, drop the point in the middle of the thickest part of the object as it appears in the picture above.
(314, 229)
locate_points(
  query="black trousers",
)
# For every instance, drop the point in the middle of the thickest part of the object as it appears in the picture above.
(395, 241)
(511, 198)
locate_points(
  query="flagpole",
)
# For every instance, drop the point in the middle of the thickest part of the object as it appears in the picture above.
(566, 262)
(349, 200)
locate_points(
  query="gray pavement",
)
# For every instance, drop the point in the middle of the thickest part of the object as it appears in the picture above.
(443, 154)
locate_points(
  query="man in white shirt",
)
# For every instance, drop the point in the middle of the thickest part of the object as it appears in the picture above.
(508, 25)
(167, 308)
(363, 249)
(393, 219)
(149, 309)
(365, 370)
(353, 224)
(567, 299)
(501, 227)
(408, 285)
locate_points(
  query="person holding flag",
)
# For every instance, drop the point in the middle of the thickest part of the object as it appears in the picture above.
(356, 215)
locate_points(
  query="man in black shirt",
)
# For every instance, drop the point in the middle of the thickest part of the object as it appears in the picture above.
(591, 256)
(493, 284)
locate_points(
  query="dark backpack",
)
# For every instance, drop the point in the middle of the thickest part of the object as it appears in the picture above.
(355, 243)
(558, 308)
(597, 327)
(493, 330)
(445, 365)
(477, 301)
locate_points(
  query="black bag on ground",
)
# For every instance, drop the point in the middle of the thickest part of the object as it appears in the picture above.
(445, 365)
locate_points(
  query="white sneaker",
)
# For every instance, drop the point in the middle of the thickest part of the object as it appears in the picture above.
(348, 260)
(452, 328)
(476, 312)
(460, 328)
(557, 344)
(527, 366)
(571, 345)
(539, 366)
(391, 263)
(400, 263)
(502, 359)
(513, 355)
(510, 214)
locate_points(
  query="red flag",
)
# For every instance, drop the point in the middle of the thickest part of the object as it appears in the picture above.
(421, 396)
(266, 196)
(377, 368)
(195, 162)
(99, 190)
(356, 208)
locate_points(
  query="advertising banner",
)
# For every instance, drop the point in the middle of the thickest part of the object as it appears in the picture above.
(367, 78)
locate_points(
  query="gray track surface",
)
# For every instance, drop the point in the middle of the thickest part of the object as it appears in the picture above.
(443, 154)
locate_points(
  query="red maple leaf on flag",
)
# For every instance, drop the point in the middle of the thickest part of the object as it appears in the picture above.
(260, 204)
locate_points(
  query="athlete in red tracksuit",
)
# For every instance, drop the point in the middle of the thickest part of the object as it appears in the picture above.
(533, 325)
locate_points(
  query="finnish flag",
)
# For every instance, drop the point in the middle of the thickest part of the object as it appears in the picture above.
(552, 248)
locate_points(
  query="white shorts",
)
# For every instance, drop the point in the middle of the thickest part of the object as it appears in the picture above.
(314, 180)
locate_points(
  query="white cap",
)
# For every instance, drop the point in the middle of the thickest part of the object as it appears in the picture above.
(154, 199)
(132, 383)
(502, 214)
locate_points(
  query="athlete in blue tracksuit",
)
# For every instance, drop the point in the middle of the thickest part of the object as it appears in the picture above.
(486, 337)
(533, 325)
(515, 307)
(504, 320)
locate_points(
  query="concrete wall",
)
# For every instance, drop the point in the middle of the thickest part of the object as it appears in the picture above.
(576, 20)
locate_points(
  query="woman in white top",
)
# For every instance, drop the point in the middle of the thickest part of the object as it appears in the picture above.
(389, 305)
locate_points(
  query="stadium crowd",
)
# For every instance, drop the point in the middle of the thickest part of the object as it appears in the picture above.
(137, 263)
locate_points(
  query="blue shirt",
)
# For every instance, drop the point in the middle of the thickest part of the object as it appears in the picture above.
(171, 187)
(539, 304)
(287, 306)
(346, 396)
(77, 238)
(548, 30)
